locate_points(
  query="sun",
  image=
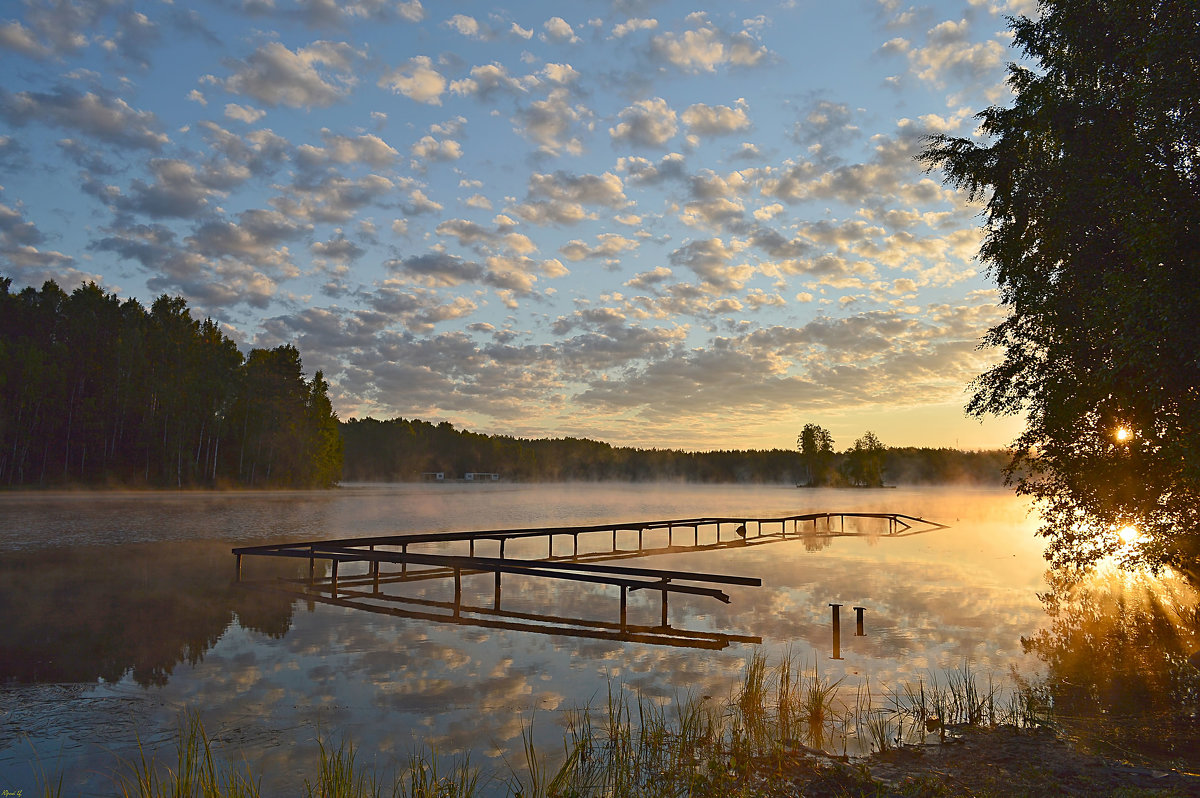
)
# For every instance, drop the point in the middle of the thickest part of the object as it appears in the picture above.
(1129, 534)
(1123, 434)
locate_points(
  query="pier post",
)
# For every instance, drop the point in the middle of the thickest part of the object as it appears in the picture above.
(333, 577)
(664, 605)
(404, 562)
(858, 612)
(575, 552)
(837, 631)
(624, 607)
(312, 566)
(457, 592)
(550, 546)
(239, 568)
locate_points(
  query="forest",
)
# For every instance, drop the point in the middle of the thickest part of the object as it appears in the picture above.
(96, 391)
(402, 450)
(99, 391)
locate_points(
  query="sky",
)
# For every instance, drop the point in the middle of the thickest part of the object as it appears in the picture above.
(648, 222)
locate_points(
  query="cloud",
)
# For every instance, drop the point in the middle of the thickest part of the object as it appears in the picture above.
(335, 198)
(550, 123)
(315, 76)
(703, 49)
(711, 260)
(649, 123)
(609, 248)
(340, 149)
(560, 197)
(427, 148)
(826, 123)
(16, 37)
(243, 113)
(487, 80)
(632, 25)
(416, 80)
(438, 269)
(19, 247)
(558, 30)
(716, 120)
(468, 26)
(500, 239)
(109, 119)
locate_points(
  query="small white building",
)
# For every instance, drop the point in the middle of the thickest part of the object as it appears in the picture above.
(481, 476)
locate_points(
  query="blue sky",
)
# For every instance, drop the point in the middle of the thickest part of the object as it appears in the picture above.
(653, 223)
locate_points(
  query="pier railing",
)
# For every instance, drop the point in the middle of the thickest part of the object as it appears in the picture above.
(357, 576)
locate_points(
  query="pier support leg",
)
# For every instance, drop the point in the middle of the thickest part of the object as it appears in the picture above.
(502, 541)
(239, 567)
(575, 552)
(837, 631)
(624, 608)
(404, 562)
(664, 609)
(550, 546)
(457, 592)
(858, 613)
(333, 579)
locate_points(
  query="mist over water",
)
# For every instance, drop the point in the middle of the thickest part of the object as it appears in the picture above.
(125, 613)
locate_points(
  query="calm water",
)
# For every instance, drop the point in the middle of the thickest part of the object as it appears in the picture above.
(120, 612)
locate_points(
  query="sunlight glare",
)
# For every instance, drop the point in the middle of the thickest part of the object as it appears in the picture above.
(1129, 535)
(1123, 434)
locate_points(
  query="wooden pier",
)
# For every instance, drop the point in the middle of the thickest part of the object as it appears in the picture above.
(357, 577)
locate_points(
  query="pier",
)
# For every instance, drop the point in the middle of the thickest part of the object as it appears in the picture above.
(357, 572)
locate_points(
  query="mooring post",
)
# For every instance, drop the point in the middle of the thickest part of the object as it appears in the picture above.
(624, 606)
(837, 631)
(858, 612)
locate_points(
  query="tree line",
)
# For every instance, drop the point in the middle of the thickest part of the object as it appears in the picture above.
(96, 390)
(400, 450)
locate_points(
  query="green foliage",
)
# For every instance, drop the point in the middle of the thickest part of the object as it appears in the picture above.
(863, 465)
(99, 391)
(816, 447)
(1092, 232)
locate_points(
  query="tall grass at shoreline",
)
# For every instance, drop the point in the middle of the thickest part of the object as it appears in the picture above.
(773, 721)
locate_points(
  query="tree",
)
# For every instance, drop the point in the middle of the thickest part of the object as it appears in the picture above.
(816, 447)
(863, 465)
(1092, 232)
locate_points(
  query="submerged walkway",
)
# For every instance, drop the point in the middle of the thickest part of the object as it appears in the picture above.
(356, 576)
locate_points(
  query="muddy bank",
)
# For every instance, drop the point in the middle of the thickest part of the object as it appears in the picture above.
(1003, 761)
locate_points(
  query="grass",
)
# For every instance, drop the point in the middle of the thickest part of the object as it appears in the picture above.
(780, 725)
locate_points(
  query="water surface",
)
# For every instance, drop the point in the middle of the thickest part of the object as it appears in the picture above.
(122, 611)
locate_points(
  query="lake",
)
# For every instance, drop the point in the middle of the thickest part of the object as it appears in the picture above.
(121, 612)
